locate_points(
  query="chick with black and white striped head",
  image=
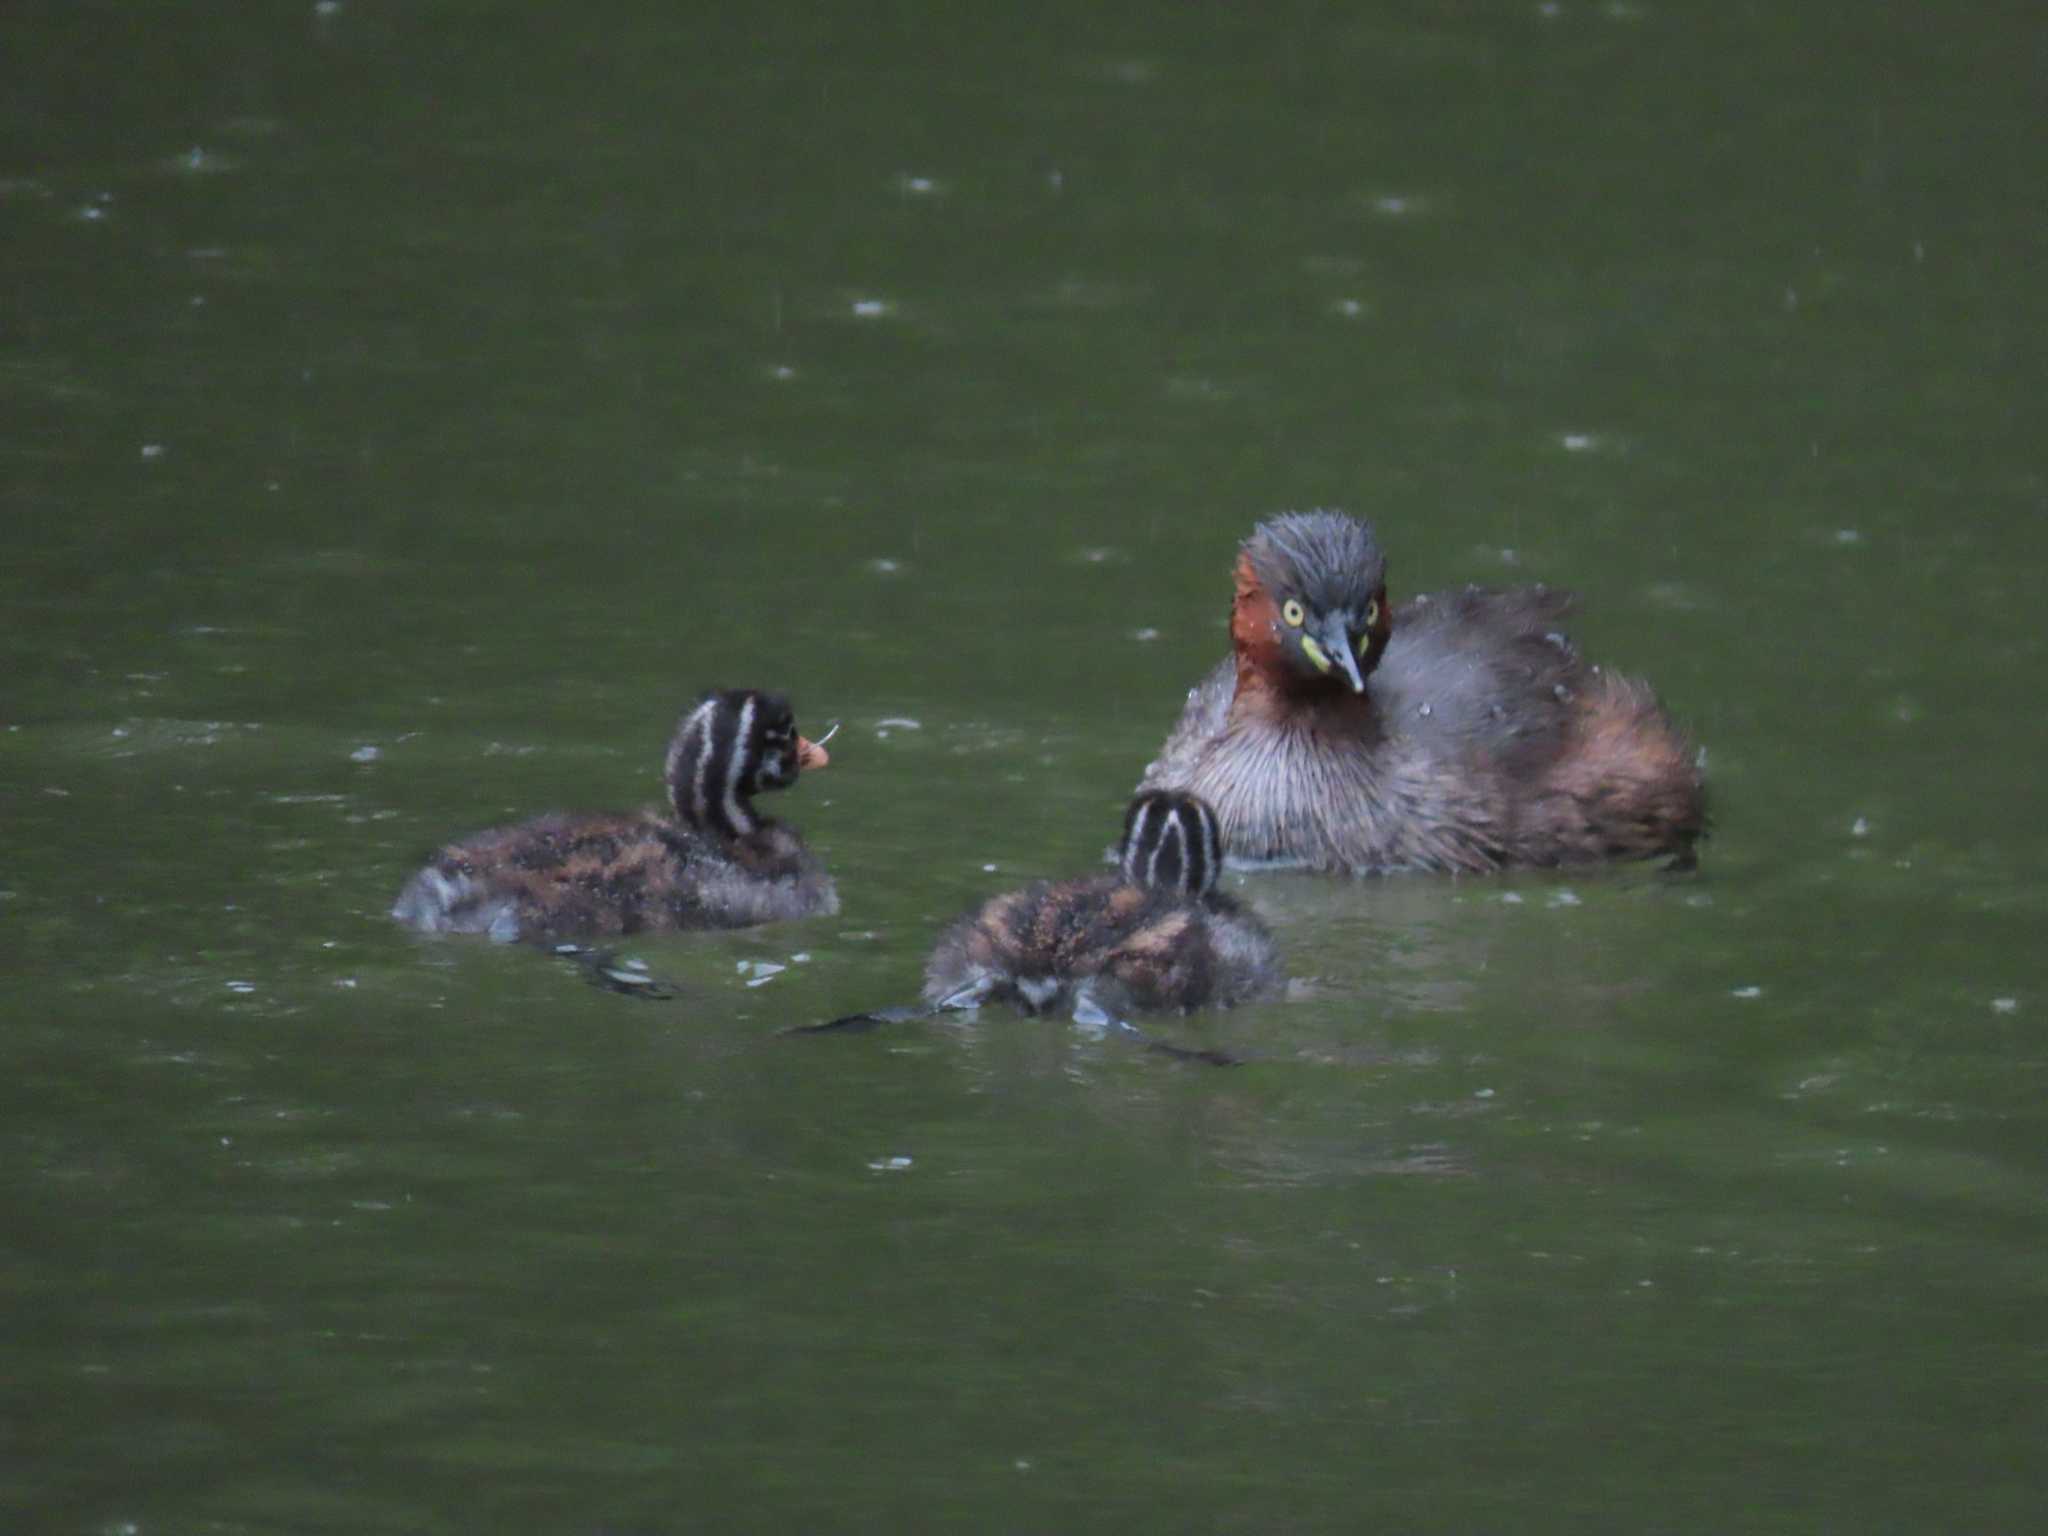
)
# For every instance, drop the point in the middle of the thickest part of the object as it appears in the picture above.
(1172, 842)
(1156, 937)
(714, 862)
(733, 745)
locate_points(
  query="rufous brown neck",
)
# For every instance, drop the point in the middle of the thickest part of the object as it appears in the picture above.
(1258, 638)
(1268, 683)
(1254, 633)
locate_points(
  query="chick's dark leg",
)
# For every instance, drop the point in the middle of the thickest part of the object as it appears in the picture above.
(604, 968)
(1090, 1013)
(970, 995)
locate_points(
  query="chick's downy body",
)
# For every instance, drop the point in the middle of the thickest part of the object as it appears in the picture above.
(714, 862)
(588, 876)
(1156, 937)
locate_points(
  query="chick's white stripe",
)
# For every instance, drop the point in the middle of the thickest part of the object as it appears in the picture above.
(1135, 871)
(695, 738)
(1192, 851)
(1181, 848)
(736, 814)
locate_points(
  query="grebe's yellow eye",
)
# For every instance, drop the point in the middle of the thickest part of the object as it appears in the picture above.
(1372, 620)
(1291, 611)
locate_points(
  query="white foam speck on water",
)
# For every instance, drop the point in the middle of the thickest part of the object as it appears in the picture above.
(890, 1164)
(199, 161)
(1747, 994)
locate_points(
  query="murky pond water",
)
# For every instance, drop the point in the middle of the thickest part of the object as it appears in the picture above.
(404, 410)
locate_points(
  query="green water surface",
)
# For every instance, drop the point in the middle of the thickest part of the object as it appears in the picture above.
(404, 409)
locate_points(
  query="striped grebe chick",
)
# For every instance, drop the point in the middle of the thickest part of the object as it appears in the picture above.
(1461, 732)
(1155, 937)
(712, 861)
